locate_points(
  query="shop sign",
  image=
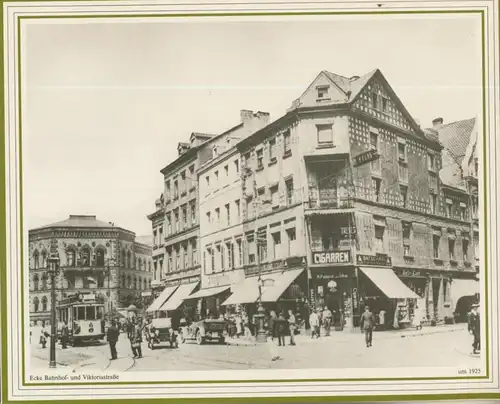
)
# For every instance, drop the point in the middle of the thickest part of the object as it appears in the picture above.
(345, 231)
(377, 260)
(336, 275)
(355, 298)
(366, 157)
(332, 257)
(410, 273)
(146, 293)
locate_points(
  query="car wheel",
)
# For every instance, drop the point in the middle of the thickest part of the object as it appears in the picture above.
(199, 338)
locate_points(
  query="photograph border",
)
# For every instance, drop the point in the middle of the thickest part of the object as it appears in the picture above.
(4, 220)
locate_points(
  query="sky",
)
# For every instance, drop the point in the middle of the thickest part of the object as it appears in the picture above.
(105, 104)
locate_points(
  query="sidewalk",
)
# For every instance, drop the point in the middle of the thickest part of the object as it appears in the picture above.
(347, 335)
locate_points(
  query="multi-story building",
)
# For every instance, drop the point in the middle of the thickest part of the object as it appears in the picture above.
(176, 230)
(341, 205)
(95, 257)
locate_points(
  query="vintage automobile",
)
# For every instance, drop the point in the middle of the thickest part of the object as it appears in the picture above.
(204, 331)
(160, 331)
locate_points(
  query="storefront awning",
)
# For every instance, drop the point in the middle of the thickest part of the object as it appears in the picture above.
(389, 283)
(244, 292)
(182, 292)
(167, 292)
(208, 292)
(276, 284)
(461, 288)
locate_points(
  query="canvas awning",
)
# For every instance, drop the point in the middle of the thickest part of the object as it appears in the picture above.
(272, 291)
(167, 292)
(182, 292)
(208, 292)
(389, 283)
(244, 292)
(463, 287)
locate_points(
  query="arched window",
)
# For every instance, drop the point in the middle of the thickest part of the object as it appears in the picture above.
(35, 282)
(71, 255)
(36, 259)
(100, 254)
(145, 284)
(139, 283)
(129, 282)
(44, 259)
(85, 256)
(44, 281)
(129, 259)
(44, 303)
(135, 282)
(36, 304)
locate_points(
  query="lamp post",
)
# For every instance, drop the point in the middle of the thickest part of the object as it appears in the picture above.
(53, 262)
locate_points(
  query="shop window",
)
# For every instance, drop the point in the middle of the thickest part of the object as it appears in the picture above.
(379, 239)
(435, 245)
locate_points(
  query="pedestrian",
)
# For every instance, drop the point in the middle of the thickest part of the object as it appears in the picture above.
(136, 340)
(367, 322)
(239, 326)
(292, 325)
(64, 335)
(327, 320)
(281, 326)
(129, 327)
(43, 337)
(320, 320)
(475, 328)
(272, 325)
(381, 319)
(314, 322)
(246, 326)
(112, 337)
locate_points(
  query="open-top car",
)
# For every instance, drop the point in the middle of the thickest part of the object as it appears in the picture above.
(204, 331)
(160, 331)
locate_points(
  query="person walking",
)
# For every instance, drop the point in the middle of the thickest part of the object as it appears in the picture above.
(272, 325)
(112, 337)
(281, 325)
(292, 325)
(475, 328)
(64, 335)
(314, 322)
(43, 337)
(367, 322)
(327, 320)
(136, 340)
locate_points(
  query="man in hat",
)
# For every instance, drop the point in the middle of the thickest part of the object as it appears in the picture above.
(112, 337)
(367, 323)
(475, 328)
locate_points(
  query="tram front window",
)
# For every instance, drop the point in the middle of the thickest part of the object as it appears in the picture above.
(80, 313)
(90, 313)
(100, 312)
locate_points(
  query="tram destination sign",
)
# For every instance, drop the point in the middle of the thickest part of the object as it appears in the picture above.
(378, 260)
(332, 257)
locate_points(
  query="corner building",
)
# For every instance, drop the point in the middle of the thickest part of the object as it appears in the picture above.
(341, 205)
(96, 258)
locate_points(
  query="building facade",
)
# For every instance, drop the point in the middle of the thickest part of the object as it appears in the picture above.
(95, 257)
(341, 205)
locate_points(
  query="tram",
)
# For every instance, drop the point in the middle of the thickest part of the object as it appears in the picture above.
(84, 316)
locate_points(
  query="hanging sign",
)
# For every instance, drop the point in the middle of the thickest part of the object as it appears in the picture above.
(366, 157)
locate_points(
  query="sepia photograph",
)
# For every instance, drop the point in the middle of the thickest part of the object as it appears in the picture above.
(250, 198)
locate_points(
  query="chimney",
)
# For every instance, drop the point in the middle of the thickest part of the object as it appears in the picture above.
(437, 123)
(246, 115)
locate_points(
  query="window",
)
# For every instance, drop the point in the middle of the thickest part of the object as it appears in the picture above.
(209, 219)
(449, 206)
(290, 233)
(186, 259)
(262, 244)
(71, 257)
(250, 207)
(238, 212)
(216, 176)
(184, 216)
(176, 189)
(435, 245)
(207, 179)
(463, 213)
(276, 245)
(374, 140)
(36, 304)
(289, 191)
(161, 270)
(217, 216)
(272, 150)
(160, 236)
(228, 214)
(246, 159)
(404, 195)
(100, 253)
(451, 248)
(240, 252)
(230, 255)
(176, 224)
(237, 166)
(275, 200)
(251, 249)
(36, 260)
(193, 213)
(433, 203)
(376, 182)
(260, 158)
(44, 303)
(194, 253)
(465, 249)
(322, 92)
(216, 151)
(167, 190)
(191, 177)
(385, 104)
(220, 257)
(155, 237)
(402, 152)
(226, 171)
(379, 238)
(183, 183)
(406, 238)
(325, 134)
(211, 253)
(178, 258)
(430, 162)
(169, 262)
(287, 143)
(44, 281)
(374, 100)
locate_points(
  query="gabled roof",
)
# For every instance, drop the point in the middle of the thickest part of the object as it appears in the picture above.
(79, 221)
(456, 137)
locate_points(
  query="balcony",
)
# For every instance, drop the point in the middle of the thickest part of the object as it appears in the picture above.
(327, 199)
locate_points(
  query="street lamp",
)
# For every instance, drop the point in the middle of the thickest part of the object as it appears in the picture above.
(53, 264)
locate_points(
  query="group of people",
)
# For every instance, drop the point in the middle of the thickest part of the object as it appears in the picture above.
(134, 328)
(320, 319)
